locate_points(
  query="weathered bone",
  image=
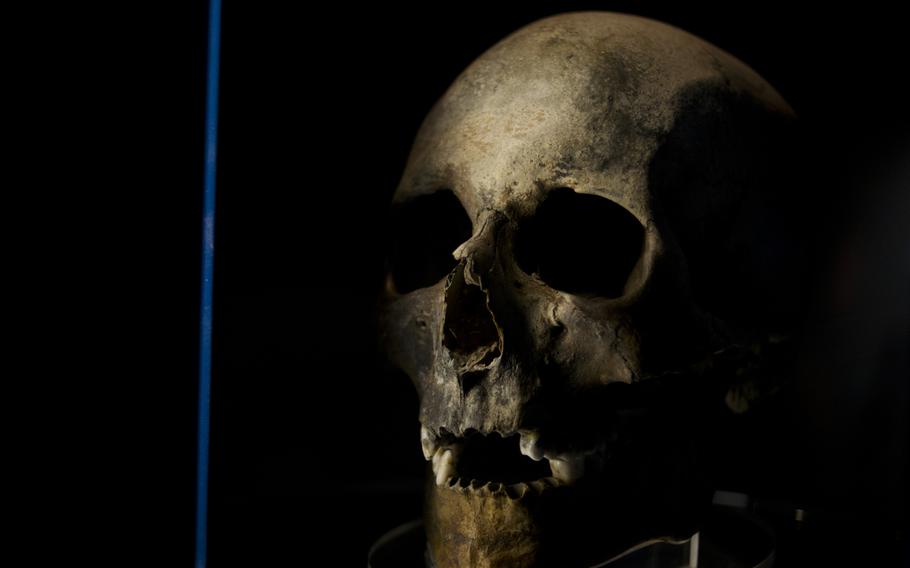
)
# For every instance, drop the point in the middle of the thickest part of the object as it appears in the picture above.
(689, 142)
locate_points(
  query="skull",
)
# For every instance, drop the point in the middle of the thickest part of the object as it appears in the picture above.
(586, 216)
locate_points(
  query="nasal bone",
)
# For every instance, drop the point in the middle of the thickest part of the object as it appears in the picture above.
(479, 252)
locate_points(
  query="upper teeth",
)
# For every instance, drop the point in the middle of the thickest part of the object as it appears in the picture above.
(528, 445)
(566, 467)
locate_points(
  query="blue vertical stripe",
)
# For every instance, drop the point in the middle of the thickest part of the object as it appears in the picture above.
(208, 257)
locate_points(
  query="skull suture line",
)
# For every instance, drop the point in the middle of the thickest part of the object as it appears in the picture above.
(585, 209)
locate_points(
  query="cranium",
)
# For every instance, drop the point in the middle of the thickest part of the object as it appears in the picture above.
(588, 208)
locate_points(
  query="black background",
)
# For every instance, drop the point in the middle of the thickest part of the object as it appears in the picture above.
(314, 447)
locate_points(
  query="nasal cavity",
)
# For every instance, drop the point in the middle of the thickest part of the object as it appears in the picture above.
(470, 332)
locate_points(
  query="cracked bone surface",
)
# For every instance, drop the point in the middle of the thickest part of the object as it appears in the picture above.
(562, 234)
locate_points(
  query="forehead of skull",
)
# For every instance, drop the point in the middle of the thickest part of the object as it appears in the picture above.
(579, 100)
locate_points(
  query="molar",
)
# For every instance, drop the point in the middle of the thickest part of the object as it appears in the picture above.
(568, 468)
(528, 445)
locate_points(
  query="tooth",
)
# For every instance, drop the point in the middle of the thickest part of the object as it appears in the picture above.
(516, 490)
(552, 481)
(528, 445)
(427, 442)
(568, 468)
(436, 456)
(445, 468)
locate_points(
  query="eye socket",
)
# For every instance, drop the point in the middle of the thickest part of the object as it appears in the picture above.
(580, 243)
(424, 233)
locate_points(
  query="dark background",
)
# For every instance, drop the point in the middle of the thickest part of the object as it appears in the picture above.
(314, 443)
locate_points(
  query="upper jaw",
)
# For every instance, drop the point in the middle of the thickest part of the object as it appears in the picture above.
(492, 463)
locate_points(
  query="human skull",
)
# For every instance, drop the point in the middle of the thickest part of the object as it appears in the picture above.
(588, 207)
